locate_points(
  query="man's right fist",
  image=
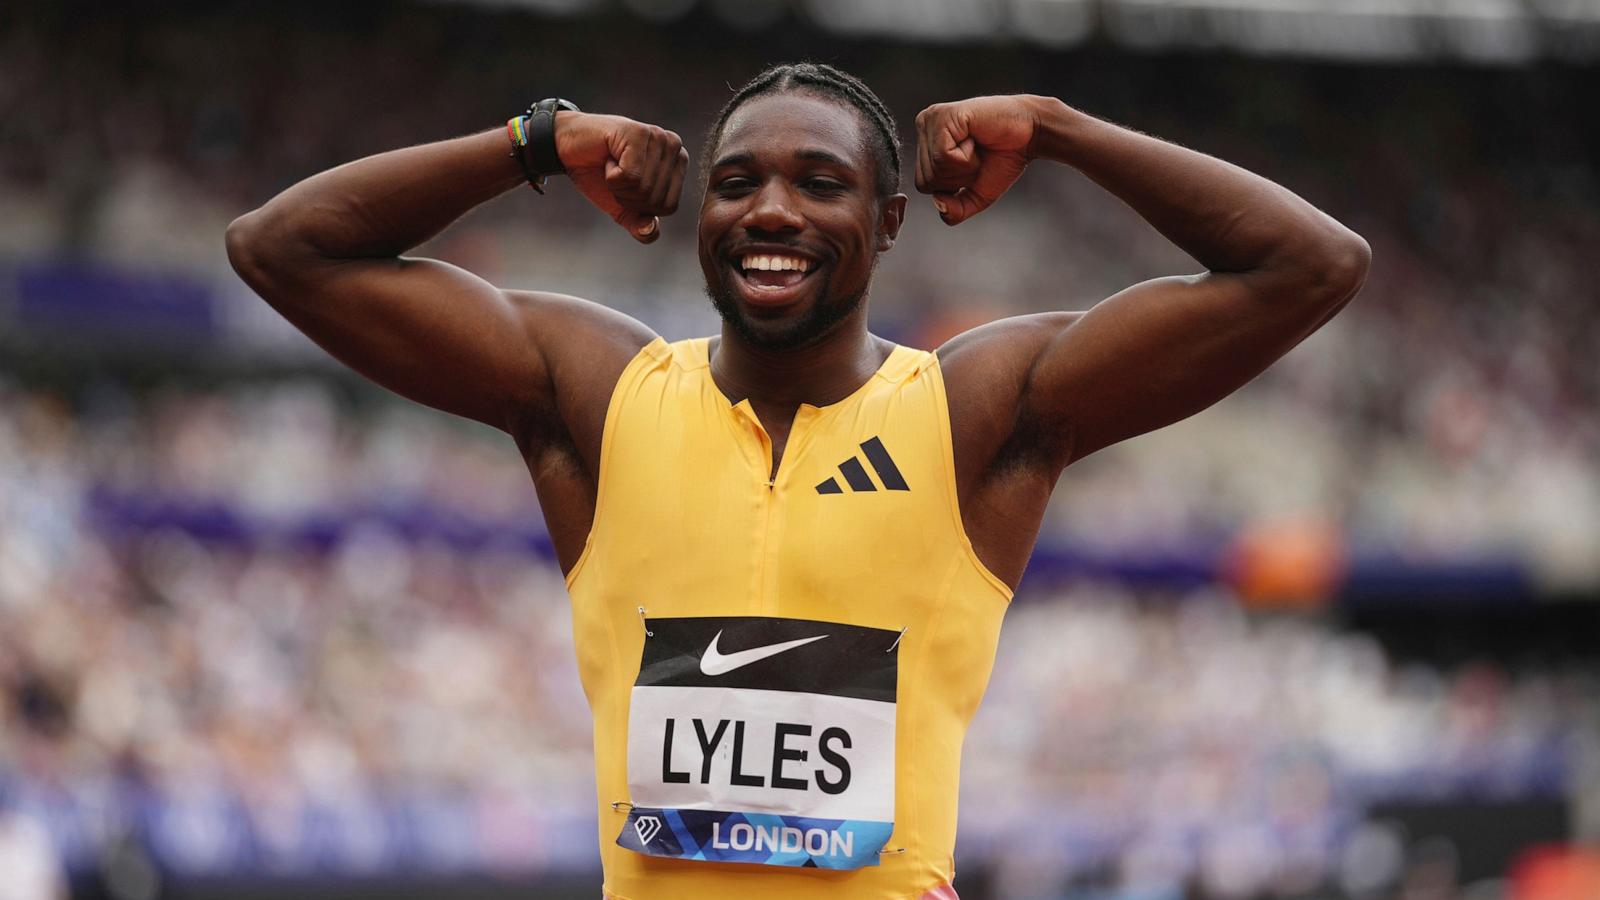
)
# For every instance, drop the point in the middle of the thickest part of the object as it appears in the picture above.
(632, 171)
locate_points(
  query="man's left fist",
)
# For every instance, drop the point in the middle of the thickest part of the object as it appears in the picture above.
(969, 152)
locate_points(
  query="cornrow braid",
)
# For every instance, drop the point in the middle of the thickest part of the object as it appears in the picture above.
(826, 80)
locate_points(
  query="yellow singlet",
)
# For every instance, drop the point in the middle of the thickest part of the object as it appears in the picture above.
(784, 716)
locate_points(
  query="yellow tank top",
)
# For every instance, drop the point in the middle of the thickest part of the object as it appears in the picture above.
(781, 671)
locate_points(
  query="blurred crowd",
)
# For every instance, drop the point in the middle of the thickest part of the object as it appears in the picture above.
(1172, 740)
(219, 698)
(259, 697)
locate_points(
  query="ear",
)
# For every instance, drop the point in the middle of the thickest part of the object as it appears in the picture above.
(891, 216)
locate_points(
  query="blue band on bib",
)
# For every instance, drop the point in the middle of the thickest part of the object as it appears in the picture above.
(718, 836)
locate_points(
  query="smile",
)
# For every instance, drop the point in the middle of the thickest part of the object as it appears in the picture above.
(771, 278)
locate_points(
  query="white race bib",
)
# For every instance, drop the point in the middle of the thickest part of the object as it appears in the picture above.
(763, 740)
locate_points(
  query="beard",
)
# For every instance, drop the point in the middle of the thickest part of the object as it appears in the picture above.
(826, 313)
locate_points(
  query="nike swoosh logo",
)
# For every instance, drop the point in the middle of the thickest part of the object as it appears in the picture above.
(718, 663)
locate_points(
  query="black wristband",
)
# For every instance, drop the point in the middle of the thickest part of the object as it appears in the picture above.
(539, 157)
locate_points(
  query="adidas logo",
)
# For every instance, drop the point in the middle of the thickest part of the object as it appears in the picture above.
(855, 474)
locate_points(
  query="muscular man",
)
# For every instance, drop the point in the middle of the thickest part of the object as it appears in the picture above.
(789, 546)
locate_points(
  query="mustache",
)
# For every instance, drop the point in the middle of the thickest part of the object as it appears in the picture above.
(796, 246)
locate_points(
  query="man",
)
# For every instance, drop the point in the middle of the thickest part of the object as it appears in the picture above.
(789, 546)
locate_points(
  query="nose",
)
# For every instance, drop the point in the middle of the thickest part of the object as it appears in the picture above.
(773, 210)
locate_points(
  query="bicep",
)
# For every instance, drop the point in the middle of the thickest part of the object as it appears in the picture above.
(442, 336)
(426, 330)
(1161, 351)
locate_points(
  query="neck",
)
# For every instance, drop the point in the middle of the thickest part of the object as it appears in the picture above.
(817, 374)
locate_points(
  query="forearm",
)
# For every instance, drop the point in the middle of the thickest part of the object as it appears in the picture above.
(1228, 219)
(380, 206)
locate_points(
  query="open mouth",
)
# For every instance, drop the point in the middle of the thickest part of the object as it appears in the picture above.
(772, 277)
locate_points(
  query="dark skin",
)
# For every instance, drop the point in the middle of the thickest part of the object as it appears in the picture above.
(794, 173)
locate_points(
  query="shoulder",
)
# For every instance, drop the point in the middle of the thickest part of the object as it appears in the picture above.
(584, 348)
(1002, 350)
(1030, 331)
(1006, 461)
(986, 373)
(560, 319)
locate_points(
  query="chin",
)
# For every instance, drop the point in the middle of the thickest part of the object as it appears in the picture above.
(789, 329)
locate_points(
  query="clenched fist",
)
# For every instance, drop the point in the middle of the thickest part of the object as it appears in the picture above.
(969, 152)
(632, 171)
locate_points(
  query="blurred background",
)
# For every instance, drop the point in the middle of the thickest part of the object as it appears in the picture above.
(265, 630)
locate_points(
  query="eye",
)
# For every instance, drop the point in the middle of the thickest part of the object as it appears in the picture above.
(822, 185)
(734, 184)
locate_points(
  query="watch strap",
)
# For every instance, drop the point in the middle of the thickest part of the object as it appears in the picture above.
(540, 152)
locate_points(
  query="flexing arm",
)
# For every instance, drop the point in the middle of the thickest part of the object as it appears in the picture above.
(1164, 349)
(326, 254)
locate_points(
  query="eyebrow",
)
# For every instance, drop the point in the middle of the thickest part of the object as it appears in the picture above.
(811, 153)
(820, 156)
(734, 159)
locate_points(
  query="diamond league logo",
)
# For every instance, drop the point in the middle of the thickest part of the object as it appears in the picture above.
(646, 827)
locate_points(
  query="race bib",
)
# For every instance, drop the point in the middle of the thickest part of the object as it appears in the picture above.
(763, 740)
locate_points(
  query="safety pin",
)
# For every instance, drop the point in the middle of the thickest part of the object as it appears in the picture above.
(895, 850)
(617, 805)
(897, 639)
(646, 623)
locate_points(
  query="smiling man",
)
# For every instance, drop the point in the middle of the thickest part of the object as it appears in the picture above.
(789, 546)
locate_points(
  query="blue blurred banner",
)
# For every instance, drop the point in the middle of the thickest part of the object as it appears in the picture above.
(100, 300)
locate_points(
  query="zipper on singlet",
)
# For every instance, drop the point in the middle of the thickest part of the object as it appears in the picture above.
(768, 603)
(793, 448)
(762, 601)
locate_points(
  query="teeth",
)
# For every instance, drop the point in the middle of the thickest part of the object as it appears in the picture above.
(776, 263)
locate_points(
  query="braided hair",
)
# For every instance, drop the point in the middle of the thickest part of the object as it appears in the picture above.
(820, 78)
